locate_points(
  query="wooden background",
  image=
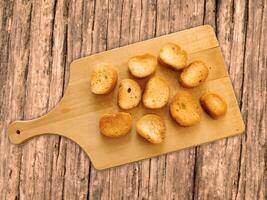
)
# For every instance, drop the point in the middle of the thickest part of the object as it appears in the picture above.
(38, 40)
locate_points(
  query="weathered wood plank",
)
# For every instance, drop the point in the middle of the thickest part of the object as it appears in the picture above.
(15, 36)
(146, 31)
(59, 48)
(221, 161)
(225, 153)
(251, 180)
(77, 165)
(59, 63)
(158, 165)
(36, 154)
(99, 181)
(180, 165)
(207, 161)
(125, 175)
(131, 174)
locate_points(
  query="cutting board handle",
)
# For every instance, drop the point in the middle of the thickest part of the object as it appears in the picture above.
(50, 123)
(55, 122)
(21, 131)
(16, 132)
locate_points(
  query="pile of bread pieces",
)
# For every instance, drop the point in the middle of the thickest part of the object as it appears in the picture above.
(184, 108)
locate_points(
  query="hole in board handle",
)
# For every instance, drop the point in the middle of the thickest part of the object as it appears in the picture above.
(18, 132)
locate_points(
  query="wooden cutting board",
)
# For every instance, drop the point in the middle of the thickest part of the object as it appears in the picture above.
(77, 114)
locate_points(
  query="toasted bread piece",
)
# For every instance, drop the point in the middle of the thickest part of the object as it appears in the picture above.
(156, 93)
(152, 128)
(213, 104)
(142, 66)
(185, 109)
(194, 74)
(172, 55)
(103, 79)
(115, 124)
(129, 94)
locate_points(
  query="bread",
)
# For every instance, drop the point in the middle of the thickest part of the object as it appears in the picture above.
(184, 109)
(173, 56)
(213, 104)
(156, 93)
(142, 66)
(194, 74)
(129, 94)
(103, 79)
(115, 124)
(152, 128)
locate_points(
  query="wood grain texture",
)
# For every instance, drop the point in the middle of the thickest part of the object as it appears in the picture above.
(38, 41)
(78, 113)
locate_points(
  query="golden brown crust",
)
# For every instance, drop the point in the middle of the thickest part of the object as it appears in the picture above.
(193, 75)
(184, 109)
(171, 55)
(115, 124)
(129, 94)
(152, 128)
(103, 79)
(143, 65)
(213, 104)
(156, 94)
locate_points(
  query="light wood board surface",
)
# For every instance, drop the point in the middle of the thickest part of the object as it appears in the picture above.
(77, 115)
(39, 40)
